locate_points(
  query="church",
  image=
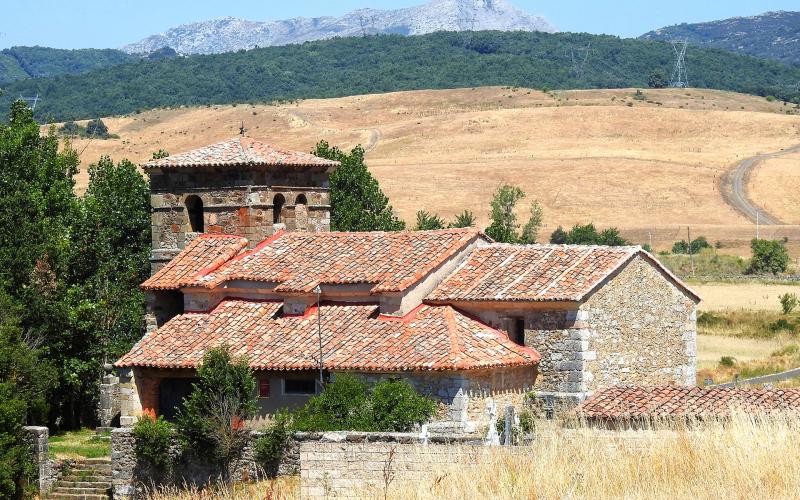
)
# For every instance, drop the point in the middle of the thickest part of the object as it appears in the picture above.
(243, 256)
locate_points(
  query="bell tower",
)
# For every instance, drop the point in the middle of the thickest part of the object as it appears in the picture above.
(241, 187)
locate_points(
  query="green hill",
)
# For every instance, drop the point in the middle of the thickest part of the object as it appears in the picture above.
(773, 35)
(349, 66)
(18, 63)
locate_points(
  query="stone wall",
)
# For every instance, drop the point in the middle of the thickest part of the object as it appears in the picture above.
(48, 470)
(240, 202)
(643, 330)
(133, 479)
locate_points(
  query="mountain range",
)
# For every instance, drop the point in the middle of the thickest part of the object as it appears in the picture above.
(773, 35)
(231, 34)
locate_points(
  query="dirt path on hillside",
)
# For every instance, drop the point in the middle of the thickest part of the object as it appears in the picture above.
(734, 187)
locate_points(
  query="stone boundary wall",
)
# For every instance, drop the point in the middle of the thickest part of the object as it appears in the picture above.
(131, 479)
(48, 470)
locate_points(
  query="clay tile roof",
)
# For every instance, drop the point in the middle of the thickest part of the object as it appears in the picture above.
(626, 403)
(237, 152)
(297, 262)
(501, 272)
(355, 337)
(202, 255)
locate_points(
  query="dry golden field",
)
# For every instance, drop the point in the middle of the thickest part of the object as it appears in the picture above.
(749, 296)
(775, 185)
(601, 156)
(746, 457)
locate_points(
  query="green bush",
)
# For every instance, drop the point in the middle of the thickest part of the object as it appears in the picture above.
(788, 302)
(727, 361)
(706, 318)
(781, 325)
(398, 407)
(153, 442)
(270, 447)
(343, 405)
(347, 403)
(210, 421)
(769, 256)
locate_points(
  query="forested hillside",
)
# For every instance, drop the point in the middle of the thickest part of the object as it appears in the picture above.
(774, 35)
(350, 66)
(18, 63)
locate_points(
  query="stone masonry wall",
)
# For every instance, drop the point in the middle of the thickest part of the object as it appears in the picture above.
(464, 394)
(237, 202)
(47, 470)
(644, 330)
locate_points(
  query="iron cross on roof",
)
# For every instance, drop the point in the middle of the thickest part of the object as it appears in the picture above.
(242, 130)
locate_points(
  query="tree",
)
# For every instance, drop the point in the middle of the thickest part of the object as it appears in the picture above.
(25, 380)
(110, 244)
(96, 128)
(428, 222)
(769, 256)
(582, 235)
(37, 208)
(357, 202)
(657, 79)
(504, 224)
(211, 421)
(531, 230)
(559, 236)
(161, 153)
(698, 244)
(464, 219)
(611, 237)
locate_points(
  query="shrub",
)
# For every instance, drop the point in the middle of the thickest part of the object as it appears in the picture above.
(788, 302)
(559, 236)
(398, 407)
(343, 405)
(657, 79)
(780, 326)
(270, 448)
(464, 219)
(153, 441)
(347, 403)
(706, 318)
(427, 221)
(769, 256)
(727, 361)
(210, 422)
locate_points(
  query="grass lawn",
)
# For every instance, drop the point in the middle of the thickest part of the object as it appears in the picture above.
(79, 444)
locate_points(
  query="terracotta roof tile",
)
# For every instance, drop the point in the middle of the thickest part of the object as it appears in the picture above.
(355, 337)
(202, 255)
(501, 272)
(240, 151)
(297, 262)
(623, 403)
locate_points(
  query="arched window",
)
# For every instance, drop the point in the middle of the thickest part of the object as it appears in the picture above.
(301, 213)
(277, 207)
(194, 208)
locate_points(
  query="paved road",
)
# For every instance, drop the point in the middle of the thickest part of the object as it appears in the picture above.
(734, 187)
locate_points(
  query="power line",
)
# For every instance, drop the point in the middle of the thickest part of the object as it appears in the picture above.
(679, 77)
(30, 100)
(466, 20)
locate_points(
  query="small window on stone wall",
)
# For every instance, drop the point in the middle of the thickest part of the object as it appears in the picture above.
(277, 207)
(516, 331)
(194, 209)
(301, 213)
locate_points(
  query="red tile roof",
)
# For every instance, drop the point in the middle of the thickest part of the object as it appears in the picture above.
(237, 152)
(201, 256)
(501, 272)
(355, 337)
(624, 403)
(297, 262)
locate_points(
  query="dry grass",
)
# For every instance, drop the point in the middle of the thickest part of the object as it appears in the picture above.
(775, 185)
(742, 296)
(785, 358)
(711, 348)
(744, 458)
(278, 489)
(649, 169)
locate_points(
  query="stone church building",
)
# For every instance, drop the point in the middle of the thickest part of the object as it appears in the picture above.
(243, 256)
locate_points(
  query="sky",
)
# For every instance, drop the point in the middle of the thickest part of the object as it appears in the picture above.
(112, 23)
